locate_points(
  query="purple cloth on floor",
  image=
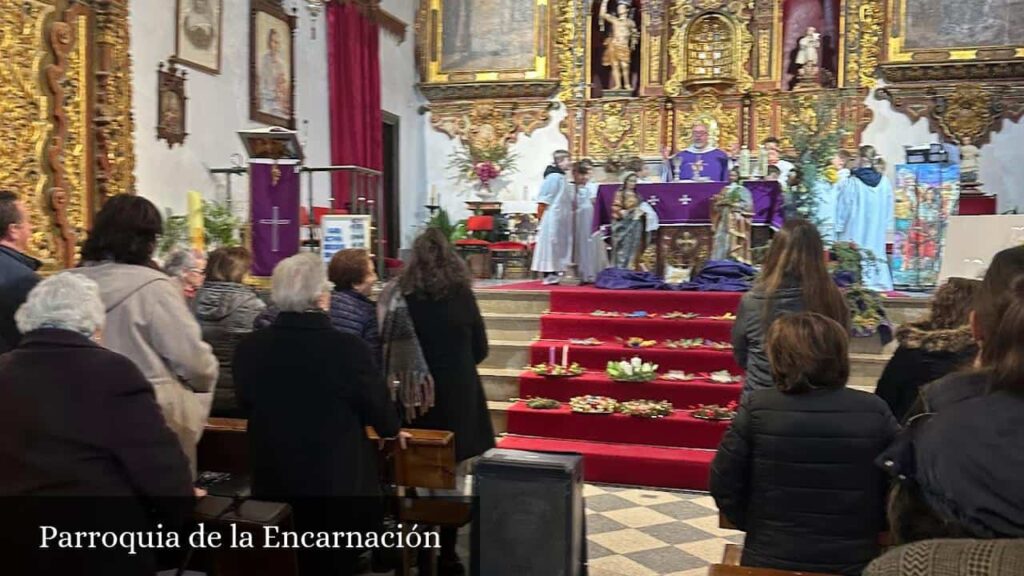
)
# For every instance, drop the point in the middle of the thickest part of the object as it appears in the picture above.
(622, 279)
(721, 276)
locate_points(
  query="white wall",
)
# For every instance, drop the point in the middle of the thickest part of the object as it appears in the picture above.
(400, 97)
(217, 106)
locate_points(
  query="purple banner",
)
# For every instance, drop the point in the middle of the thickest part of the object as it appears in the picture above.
(273, 214)
(690, 202)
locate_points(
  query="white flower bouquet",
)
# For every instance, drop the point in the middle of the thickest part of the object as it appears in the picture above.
(633, 370)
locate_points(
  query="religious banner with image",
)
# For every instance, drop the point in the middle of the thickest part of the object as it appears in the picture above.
(925, 195)
(273, 214)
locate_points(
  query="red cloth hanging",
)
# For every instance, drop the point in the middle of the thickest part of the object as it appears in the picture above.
(353, 68)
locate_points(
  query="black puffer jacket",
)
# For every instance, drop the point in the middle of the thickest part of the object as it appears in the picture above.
(796, 473)
(749, 328)
(354, 313)
(226, 312)
(924, 355)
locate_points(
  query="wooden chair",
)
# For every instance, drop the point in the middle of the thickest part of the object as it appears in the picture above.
(224, 446)
(428, 462)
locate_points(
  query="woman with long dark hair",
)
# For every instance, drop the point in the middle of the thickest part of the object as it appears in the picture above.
(794, 278)
(433, 338)
(147, 318)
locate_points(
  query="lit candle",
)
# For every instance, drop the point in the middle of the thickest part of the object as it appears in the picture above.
(565, 356)
(433, 195)
(551, 356)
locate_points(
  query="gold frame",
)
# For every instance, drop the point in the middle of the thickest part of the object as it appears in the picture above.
(682, 15)
(896, 53)
(433, 74)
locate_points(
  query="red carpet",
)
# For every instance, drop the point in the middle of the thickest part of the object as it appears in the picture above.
(671, 452)
(680, 394)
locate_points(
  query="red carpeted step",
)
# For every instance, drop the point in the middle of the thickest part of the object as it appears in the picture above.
(680, 394)
(587, 300)
(582, 326)
(678, 430)
(597, 357)
(683, 468)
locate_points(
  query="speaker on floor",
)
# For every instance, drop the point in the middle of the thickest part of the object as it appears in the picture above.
(530, 519)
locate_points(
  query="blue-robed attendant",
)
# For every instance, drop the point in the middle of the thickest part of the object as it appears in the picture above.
(864, 216)
(554, 237)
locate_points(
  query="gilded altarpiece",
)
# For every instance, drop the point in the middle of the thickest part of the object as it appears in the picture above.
(65, 96)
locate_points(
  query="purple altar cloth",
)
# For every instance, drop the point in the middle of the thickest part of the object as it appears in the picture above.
(274, 214)
(690, 202)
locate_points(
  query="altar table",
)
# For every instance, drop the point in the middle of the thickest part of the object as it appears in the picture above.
(688, 203)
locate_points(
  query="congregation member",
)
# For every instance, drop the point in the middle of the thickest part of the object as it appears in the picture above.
(82, 439)
(188, 268)
(147, 317)
(553, 252)
(928, 350)
(351, 311)
(794, 278)
(958, 467)
(795, 470)
(948, 557)
(226, 310)
(434, 338)
(310, 391)
(17, 269)
(864, 217)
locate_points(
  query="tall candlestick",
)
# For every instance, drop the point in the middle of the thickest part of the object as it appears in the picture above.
(565, 356)
(551, 356)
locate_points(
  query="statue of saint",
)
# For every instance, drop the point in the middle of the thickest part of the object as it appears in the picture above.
(969, 155)
(619, 45)
(808, 57)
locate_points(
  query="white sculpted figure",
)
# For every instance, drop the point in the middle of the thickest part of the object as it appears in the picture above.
(808, 57)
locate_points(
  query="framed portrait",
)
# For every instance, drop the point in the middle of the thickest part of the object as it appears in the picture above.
(272, 64)
(171, 110)
(198, 34)
(954, 30)
(486, 40)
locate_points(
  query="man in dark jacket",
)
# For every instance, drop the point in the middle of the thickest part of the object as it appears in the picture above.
(17, 269)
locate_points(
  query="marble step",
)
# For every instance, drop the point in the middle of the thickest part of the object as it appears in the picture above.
(499, 416)
(500, 384)
(513, 327)
(512, 301)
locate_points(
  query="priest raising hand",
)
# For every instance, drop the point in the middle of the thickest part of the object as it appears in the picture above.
(700, 161)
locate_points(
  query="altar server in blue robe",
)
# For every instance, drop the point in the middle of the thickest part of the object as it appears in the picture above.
(554, 237)
(701, 161)
(828, 194)
(591, 256)
(864, 216)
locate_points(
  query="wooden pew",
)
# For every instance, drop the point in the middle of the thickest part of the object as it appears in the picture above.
(724, 570)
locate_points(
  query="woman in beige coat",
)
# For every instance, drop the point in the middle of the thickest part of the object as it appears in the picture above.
(147, 318)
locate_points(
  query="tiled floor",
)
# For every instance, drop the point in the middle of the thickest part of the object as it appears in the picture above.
(646, 532)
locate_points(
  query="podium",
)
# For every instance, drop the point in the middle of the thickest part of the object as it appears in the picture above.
(274, 195)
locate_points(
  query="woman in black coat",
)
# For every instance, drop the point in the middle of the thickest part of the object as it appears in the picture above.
(436, 290)
(932, 348)
(310, 391)
(795, 470)
(83, 444)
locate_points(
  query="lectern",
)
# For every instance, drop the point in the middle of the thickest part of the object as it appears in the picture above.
(274, 189)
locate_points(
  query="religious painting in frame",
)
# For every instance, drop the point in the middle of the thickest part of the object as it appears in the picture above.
(198, 34)
(170, 114)
(955, 30)
(272, 64)
(487, 40)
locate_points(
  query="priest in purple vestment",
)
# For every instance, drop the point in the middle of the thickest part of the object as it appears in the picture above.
(701, 161)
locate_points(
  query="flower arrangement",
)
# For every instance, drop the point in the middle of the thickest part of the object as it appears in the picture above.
(557, 370)
(542, 404)
(680, 316)
(633, 370)
(481, 165)
(637, 342)
(680, 376)
(593, 404)
(714, 411)
(585, 341)
(724, 377)
(646, 408)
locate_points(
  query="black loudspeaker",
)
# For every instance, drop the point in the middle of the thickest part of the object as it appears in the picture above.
(530, 516)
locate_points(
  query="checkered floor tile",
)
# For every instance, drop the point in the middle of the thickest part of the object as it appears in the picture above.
(646, 532)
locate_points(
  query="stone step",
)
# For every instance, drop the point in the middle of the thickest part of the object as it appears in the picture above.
(499, 416)
(512, 301)
(500, 384)
(517, 327)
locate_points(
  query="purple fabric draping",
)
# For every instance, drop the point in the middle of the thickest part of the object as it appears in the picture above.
(690, 202)
(274, 214)
(714, 276)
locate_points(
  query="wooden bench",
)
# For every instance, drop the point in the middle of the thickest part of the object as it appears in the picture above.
(725, 570)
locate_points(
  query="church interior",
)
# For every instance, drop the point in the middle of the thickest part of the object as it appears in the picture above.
(605, 287)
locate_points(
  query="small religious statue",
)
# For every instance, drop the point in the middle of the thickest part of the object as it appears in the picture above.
(629, 211)
(808, 57)
(620, 44)
(731, 215)
(969, 155)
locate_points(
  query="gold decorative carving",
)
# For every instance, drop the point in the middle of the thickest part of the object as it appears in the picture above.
(611, 128)
(706, 107)
(960, 110)
(763, 125)
(862, 48)
(567, 42)
(950, 71)
(114, 125)
(483, 125)
(689, 21)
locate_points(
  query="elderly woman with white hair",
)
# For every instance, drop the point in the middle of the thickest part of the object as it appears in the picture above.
(310, 391)
(79, 420)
